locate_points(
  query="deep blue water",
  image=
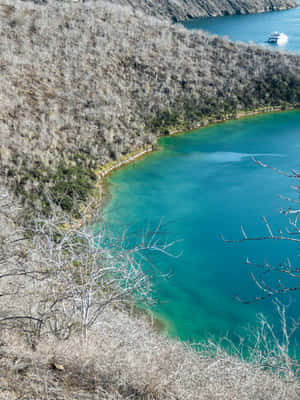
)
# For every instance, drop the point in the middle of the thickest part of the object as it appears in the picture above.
(254, 27)
(203, 184)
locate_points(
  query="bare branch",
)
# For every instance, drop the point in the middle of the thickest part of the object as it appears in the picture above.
(290, 235)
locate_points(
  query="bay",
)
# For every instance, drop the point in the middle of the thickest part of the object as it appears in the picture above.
(254, 28)
(203, 184)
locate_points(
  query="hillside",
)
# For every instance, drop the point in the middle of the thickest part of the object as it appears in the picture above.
(43, 354)
(179, 10)
(125, 360)
(83, 85)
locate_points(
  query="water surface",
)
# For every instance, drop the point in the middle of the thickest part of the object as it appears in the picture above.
(254, 28)
(204, 184)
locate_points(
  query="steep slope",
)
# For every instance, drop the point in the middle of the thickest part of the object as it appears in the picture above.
(180, 10)
(83, 85)
(125, 360)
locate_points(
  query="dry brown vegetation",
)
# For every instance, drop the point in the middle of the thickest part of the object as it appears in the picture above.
(83, 84)
(80, 85)
(182, 10)
(45, 353)
(124, 359)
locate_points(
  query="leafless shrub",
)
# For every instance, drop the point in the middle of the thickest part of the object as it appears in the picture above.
(97, 81)
(121, 357)
(69, 275)
(125, 359)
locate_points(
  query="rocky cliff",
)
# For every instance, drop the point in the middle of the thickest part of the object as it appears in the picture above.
(180, 10)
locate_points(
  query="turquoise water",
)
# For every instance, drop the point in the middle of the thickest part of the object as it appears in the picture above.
(254, 27)
(204, 184)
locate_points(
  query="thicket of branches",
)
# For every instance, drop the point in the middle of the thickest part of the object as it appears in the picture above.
(64, 336)
(125, 359)
(65, 333)
(82, 84)
(282, 278)
(57, 275)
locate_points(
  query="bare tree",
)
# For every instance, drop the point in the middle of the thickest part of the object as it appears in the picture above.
(291, 232)
(71, 274)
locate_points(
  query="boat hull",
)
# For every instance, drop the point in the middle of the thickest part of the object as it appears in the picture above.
(278, 38)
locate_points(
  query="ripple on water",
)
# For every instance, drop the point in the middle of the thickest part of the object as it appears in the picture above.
(205, 183)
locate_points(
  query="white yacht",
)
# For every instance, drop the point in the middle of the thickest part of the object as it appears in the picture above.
(279, 38)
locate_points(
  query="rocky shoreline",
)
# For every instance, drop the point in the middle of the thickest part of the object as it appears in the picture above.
(189, 9)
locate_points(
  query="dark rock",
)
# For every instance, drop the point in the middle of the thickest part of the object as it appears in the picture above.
(188, 9)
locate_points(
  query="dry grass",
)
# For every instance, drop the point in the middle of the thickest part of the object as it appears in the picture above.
(99, 81)
(125, 359)
(91, 82)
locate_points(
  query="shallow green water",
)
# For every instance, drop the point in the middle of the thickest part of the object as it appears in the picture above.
(204, 183)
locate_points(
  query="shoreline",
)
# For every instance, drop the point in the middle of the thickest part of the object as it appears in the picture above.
(238, 116)
(106, 169)
(103, 171)
(100, 194)
(161, 324)
(190, 15)
(261, 11)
